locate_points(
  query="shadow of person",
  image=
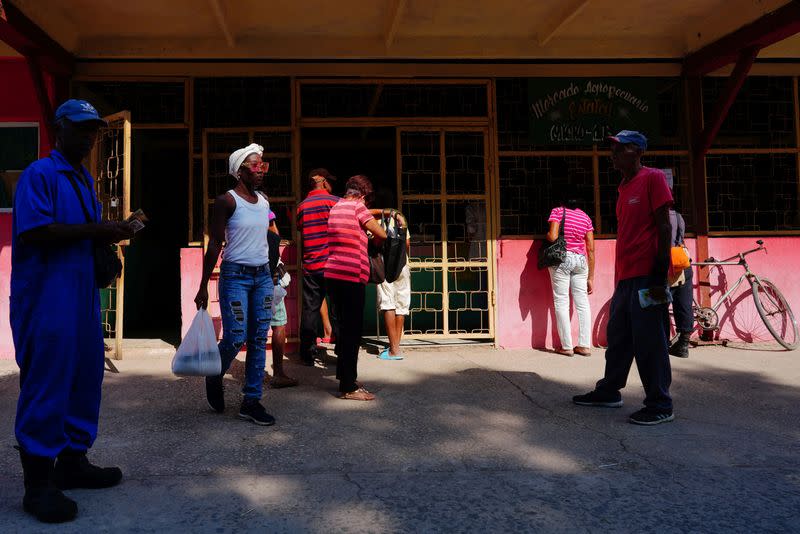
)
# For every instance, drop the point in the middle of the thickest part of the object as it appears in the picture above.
(599, 330)
(536, 299)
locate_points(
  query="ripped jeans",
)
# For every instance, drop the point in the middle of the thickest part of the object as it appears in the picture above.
(245, 301)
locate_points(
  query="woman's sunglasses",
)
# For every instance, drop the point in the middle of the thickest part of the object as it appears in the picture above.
(260, 166)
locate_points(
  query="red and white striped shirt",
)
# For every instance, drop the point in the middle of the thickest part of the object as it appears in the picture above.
(347, 242)
(576, 225)
(312, 219)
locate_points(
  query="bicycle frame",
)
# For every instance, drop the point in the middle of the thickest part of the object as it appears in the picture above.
(741, 262)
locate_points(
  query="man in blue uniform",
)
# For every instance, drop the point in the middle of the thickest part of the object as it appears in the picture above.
(55, 318)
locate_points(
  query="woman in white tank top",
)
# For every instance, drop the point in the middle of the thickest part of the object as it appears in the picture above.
(240, 219)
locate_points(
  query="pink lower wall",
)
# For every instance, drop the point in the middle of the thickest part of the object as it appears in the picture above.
(526, 318)
(739, 319)
(524, 296)
(6, 343)
(18, 103)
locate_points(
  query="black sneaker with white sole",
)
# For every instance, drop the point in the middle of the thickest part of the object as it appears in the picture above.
(650, 417)
(598, 398)
(215, 393)
(252, 410)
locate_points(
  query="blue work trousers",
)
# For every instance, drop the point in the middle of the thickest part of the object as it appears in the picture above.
(640, 333)
(59, 350)
(682, 304)
(245, 302)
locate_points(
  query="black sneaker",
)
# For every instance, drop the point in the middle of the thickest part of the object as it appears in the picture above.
(308, 359)
(597, 398)
(252, 410)
(680, 348)
(650, 417)
(215, 393)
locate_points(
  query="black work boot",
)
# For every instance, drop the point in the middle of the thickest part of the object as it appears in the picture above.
(43, 499)
(73, 470)
(681, 347)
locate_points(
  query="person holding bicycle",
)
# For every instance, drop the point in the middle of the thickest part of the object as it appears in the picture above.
(638, 317)
(681, 290)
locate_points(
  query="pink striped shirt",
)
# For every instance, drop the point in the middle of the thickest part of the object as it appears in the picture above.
(576, 225)
(347, 242)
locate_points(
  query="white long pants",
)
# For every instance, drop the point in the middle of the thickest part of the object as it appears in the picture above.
(572, 273)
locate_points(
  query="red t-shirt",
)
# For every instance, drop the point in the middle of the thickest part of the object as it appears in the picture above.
(312, 220)
(347, 242)
(576, 225)
(637, 234)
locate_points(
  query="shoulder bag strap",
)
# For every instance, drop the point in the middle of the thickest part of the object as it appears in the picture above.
(89, 218)
(563, 218)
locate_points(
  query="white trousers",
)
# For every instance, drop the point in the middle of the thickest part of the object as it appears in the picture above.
(572, 273)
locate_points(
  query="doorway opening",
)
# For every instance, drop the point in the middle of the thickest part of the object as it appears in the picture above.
(346, 152)
(438, 178)
(152, 261)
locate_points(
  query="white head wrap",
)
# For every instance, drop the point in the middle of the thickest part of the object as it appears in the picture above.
(236, 159)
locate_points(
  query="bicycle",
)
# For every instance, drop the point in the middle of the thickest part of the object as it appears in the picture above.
(770, 302)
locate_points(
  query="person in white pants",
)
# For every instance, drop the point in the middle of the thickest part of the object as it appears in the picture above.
(575, 273)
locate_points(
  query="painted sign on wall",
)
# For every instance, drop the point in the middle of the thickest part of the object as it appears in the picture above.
(584, 111)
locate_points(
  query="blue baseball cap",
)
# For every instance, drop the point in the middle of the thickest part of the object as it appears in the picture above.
(630, 137)
(78, 111)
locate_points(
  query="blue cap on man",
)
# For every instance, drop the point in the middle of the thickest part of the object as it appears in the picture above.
(630, 137)
(78, 111)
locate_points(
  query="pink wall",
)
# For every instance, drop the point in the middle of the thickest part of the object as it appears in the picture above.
(6, 343)
(739, 319)
(524, 296)
(18, 103)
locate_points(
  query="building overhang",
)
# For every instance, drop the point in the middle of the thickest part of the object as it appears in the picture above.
(307, 30)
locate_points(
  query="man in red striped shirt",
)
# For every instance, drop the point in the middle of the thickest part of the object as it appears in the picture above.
(312, 220)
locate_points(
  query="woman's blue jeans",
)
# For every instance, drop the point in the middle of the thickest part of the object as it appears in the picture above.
(245, 301)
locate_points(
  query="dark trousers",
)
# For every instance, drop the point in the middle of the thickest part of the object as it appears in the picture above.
(314, 290)
(347, 298)
(641, 333)
(682, 304)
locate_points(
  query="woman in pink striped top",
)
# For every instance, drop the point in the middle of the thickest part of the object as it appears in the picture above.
(576, 272)
(346, 276)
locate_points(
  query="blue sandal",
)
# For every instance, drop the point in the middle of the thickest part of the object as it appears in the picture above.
(386, 356)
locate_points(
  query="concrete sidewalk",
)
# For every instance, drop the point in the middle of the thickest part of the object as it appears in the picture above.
(459, 440)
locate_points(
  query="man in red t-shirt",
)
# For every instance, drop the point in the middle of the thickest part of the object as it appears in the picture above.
(638, 328)
(312, 221)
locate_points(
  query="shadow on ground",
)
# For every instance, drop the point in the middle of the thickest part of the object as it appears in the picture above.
(471, 441)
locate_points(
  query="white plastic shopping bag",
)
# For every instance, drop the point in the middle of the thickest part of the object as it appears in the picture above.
(198, 354)
(278, 294)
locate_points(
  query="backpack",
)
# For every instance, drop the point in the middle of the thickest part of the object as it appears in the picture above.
(395, 251)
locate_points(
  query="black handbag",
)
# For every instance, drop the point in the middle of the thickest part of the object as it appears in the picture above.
(377, 269)
(394, 248)
(552, 254)
(107, 266)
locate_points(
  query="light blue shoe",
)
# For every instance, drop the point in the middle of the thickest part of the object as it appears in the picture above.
(386, 356)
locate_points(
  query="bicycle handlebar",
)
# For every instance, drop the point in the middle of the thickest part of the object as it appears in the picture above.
(727, 261)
